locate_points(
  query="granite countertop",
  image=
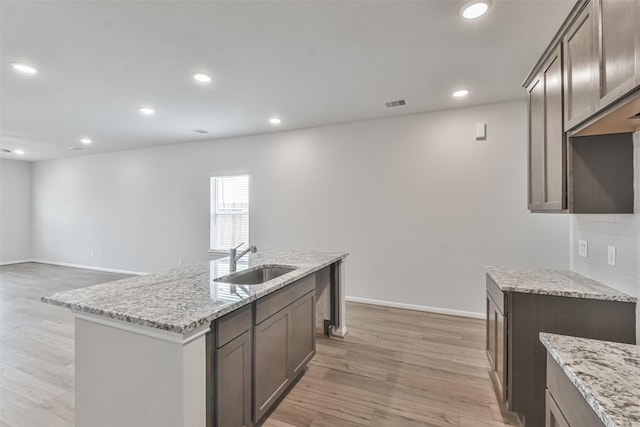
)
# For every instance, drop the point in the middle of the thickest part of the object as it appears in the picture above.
(181, 299)
(553, 282)
(606, 374)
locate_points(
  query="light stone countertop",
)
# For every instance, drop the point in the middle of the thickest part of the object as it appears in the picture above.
(181, 299)
(553, 282)
(606, 374)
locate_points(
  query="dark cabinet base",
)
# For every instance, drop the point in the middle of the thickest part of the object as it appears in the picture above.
(518, 318)
(530, 314)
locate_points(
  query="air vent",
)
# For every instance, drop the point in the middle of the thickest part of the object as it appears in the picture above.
(5, 150)
(77, 148)
(398, 103)
(200, 131)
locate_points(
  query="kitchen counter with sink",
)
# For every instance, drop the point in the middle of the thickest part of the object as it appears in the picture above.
(145, 346)
(182, 299)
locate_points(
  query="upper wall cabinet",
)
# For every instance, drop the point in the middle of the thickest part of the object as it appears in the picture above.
(580, 74)
(618, 52)
(587, 83)
(547, 148)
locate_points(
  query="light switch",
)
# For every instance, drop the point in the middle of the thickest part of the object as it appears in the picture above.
(582, 248)
(480, 131)
(611, 255)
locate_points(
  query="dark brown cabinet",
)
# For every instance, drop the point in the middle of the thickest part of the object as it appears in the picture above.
(256, 352)
(271, 364)
(496, 338)
(229, 351)
(583, 92)
(565, 406)
(580, 73)
(302, 346)
(618, 50)
(518, 359)
(547, 144)
(554, 417)
(284, 341)
(233, 383)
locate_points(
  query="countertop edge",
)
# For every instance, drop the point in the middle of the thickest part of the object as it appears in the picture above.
(588, 397)
(621, 297)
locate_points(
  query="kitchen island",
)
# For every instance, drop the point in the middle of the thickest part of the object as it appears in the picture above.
(141, 343)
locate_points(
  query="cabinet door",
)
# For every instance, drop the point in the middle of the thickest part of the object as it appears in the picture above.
(547, 143)
(496, 346)
(553, 417)
(271, 367)
(619, 25)
(555, 149)
(536, 144)
(233, 383)
(580, 69)
(302, 345)
(491, 333)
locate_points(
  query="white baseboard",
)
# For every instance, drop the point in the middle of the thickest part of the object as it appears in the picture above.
(90, 267)
(19, 261)
(428, 309)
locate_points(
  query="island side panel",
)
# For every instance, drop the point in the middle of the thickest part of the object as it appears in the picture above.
(128, 379)
(323, 300)
(338, 302)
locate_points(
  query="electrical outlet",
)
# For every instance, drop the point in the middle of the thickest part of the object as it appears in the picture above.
(93, 253)
(100, 254)
(180, 261)
(611, 255)
(583, 248)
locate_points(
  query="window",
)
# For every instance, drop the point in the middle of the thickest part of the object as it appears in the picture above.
(229, 211)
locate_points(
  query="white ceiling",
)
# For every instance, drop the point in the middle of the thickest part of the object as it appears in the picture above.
(309, 62)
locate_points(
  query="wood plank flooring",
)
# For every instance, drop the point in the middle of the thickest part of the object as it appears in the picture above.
(395, 367)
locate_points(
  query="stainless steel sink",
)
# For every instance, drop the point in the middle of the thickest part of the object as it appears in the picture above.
(257, 276)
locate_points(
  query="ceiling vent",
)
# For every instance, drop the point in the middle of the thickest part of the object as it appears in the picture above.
(398, 103)
(77, 148)
(5, 150)
(200, 131)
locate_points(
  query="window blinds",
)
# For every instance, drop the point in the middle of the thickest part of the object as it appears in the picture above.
(229, 211)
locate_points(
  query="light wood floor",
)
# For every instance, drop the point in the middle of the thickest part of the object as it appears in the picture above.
(394, 368)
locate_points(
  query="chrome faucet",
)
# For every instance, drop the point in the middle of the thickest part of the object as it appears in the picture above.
(234, 256)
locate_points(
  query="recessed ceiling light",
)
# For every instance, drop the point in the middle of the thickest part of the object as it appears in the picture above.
(475, 9)
(86, 141)
(18, 151)
(461, 93)
(24, 68)
(147, 111)
(275, 121)
(202, 77)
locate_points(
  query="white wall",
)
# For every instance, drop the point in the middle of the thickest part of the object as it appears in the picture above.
(420, 205)
(15, 211)
(622, 231)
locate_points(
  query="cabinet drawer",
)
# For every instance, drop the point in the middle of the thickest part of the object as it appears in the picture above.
(496, 295)
(271, 304)
(232, 325)
(574, 408)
